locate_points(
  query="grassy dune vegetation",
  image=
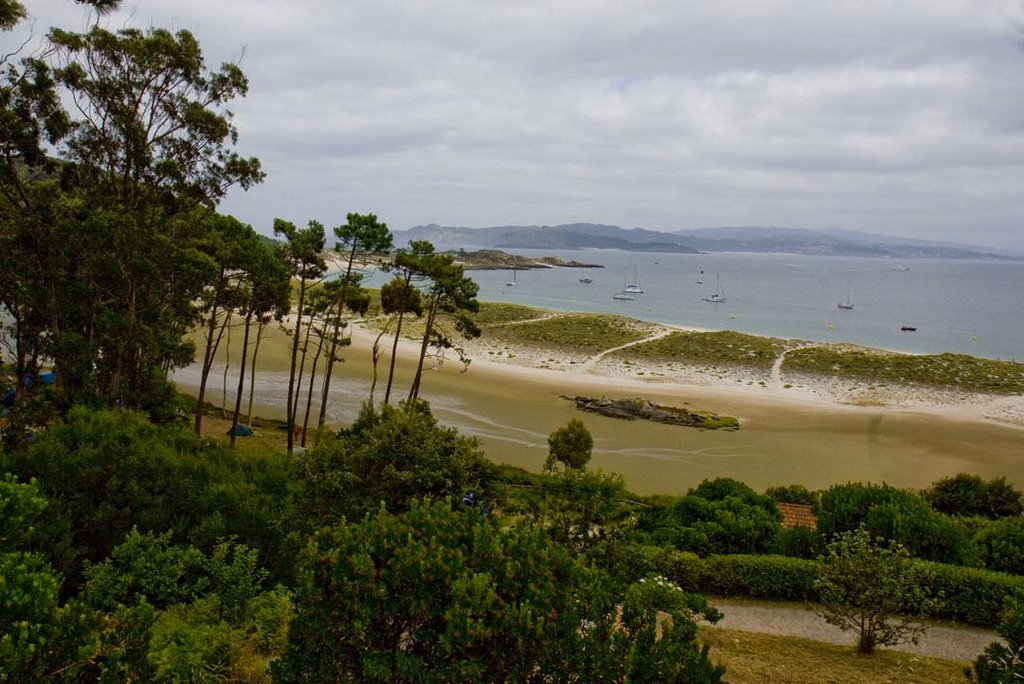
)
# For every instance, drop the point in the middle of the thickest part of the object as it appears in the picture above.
(588, 333)
(720, 348)
(956, 371)
(497, 313)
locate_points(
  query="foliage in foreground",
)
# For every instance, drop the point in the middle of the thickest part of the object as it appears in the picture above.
(863, 586)
(1003, 663)
(438, 595)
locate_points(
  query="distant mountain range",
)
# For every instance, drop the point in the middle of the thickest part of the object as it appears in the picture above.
(725, 239)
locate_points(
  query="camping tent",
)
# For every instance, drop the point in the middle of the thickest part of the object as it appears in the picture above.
(241, 431)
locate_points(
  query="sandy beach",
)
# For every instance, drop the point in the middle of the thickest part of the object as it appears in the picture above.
(793, 430)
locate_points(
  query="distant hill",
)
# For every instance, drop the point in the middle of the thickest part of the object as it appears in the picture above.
(567, 236)
(722, 239)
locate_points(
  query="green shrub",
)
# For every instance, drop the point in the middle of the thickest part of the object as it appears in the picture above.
(968, 595)
(1002, 543)
(965, 494)
(767, 577)
(798, 542)
(795, 493)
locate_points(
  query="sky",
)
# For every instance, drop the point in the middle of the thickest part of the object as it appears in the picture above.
(904, 118)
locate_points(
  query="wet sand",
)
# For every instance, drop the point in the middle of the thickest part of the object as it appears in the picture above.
(783, 439)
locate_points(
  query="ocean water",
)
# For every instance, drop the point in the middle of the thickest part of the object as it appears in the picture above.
(961, 306)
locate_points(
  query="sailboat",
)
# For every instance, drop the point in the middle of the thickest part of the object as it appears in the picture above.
(700, 278)
(846, 303)
(633, 287)
(717, 296)
(512, 283)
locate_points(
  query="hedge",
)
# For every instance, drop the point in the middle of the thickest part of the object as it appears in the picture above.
(968, 595)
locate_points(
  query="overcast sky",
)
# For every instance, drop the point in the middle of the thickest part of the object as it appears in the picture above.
(903, 117)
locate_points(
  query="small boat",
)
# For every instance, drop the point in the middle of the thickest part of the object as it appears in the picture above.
(627, 296)
(846, 303)
(900, 267)
(633, 286)
(512, 283)
(717, 296)
(907, 328)
(586, 280)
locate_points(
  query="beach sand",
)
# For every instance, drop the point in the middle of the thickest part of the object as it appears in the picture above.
(793, 430)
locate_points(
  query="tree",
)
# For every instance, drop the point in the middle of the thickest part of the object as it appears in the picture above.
(442, 593)
(361, 239)
(452, 293)
(864, 586)
(966, 495)
(391, 456)
(1003, 663)
(570, 445)
(408, 263)
(303, 253)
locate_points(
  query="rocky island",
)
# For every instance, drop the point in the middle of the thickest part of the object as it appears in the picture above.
(495, 259)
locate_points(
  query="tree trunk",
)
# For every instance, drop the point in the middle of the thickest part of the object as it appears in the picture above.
(212, 344)
(241, 378)
(295, 354)
(394, 352)
(414, 391)
(333, 352)
(375, 357)
(302, 370)
(227, 365)
(309, 394)
(252, 370)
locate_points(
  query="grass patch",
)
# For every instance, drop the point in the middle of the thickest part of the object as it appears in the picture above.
(723, 348)
(954, 371)
(588, 333)
(754, 658)
(497, 313)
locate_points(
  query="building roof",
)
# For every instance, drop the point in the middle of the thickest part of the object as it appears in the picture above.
(797, 515)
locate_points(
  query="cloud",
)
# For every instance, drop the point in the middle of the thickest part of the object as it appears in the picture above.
(905, 118)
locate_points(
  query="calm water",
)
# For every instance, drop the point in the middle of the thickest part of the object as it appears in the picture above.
(972, 307)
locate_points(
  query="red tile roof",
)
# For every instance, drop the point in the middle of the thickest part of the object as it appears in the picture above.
(797, 515)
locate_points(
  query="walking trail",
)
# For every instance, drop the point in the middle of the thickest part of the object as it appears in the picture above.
(590, 363)
(955, 643)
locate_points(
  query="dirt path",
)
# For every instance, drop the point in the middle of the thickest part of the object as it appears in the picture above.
(590, 363)
(957, 643)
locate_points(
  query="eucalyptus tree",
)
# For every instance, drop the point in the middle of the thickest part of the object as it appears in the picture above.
(362, 239)
(303, 252)
(408, 266)
(228, 243)
(450, 294)
(268, 295)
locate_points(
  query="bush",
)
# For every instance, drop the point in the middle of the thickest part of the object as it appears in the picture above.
(798, 542)
(965, 494)
(966, 595)
(1002, 543)
(796, 493)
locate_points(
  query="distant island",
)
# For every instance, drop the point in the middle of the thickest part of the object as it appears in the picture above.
(578, 236)
(495, 259)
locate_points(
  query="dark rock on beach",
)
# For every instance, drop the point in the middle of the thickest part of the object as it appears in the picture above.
(635, 408)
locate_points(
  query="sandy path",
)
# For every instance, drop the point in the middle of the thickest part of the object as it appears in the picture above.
(957, 643)
(589, 365)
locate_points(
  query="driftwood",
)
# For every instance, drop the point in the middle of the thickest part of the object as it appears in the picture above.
(635, 408)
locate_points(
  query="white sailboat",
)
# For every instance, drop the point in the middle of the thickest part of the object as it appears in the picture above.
(718, 295)
(633, 286)
(846, 303)
(512, 282)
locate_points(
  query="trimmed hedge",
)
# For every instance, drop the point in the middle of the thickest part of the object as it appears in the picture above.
(967, 595)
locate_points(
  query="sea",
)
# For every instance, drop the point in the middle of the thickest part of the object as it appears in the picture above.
(971, 307)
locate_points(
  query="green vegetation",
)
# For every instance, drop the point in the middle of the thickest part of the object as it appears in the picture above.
(586, 333)
(496, 313)
(954, 371)
(722, 348)
(1004, 662)
(864, 586)
(752, 658)
(134, 549)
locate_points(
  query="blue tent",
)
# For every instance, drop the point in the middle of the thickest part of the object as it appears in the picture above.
(241, 431)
